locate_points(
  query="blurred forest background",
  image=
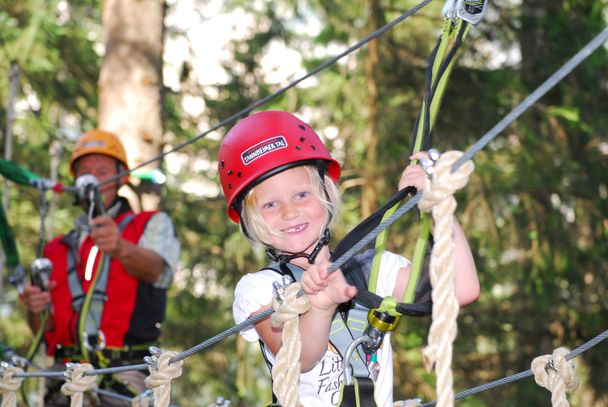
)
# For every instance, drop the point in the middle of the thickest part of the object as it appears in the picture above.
(535, 210)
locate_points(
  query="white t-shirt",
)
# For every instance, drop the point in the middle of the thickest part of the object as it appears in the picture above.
(321, 385)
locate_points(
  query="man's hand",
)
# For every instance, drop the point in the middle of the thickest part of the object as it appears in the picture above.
(36, 299)
(106, 235)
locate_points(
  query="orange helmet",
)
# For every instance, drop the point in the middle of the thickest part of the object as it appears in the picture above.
(99, 142)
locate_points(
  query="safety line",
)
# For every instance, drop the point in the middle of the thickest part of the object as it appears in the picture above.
(279, 92)
(521, 375)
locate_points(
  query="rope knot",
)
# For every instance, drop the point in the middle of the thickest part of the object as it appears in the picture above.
(162, 373)
(556, 374)
(9, 385)
(444, 182)
(77, 383)
(289, 306)
(286, 370)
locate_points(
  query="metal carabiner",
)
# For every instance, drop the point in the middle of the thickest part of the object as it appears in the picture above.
(346, 368)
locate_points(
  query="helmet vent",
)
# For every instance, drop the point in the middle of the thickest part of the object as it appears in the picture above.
(229, 172)
(313, 147)
(302, 139)
(238, 174)
(301, 126)
(298, 148)
(222, 164)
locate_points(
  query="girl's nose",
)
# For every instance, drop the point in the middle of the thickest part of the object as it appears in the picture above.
(290, 211)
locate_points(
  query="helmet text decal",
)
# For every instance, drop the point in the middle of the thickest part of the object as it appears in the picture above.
(94, 143)
(263, 148)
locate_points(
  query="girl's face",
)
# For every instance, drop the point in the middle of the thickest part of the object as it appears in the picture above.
(294, 215)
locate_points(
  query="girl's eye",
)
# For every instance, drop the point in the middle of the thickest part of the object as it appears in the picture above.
(269, 205)
(302, 195)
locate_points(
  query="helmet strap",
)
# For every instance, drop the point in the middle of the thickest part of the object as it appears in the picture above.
(275, 255)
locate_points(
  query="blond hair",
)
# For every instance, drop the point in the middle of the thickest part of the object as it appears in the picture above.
(255, 228)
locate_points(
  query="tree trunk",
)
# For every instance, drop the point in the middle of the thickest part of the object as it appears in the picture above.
(130, 84)
(370, 191)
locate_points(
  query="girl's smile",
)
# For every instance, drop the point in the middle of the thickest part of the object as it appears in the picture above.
(292, 212)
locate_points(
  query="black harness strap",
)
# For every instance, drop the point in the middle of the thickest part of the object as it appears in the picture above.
(359, 394)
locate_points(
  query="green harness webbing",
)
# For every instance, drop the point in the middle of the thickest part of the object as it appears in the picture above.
(437, 78)
(357, 394)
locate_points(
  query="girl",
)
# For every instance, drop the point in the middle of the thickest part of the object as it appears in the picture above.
(279, 181)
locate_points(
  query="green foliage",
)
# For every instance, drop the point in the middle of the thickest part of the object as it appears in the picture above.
(535, 210)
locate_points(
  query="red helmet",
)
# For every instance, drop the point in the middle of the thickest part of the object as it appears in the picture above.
(263, 145)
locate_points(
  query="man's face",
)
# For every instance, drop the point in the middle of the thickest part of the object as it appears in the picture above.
(101, 167)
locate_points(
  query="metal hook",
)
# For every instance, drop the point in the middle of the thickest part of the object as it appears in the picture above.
(348, 378)
(280, 286)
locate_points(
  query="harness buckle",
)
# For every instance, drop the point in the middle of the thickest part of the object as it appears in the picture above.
(94, 342)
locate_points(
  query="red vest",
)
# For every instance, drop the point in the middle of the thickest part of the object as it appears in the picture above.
(122, 291)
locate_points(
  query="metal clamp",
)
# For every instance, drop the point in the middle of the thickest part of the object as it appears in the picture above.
(18, 278)
(471, 10)
(40, 272)
(348, 376)
(151, 361)
(280, 286)
(87, 189)
(467, 10)
(428, 164)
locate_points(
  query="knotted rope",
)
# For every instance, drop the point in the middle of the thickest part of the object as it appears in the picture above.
(438, 199)
(162, 373)
(286, 370)
(556, 374)
(77, 383)
(9, 385)
(145, 399)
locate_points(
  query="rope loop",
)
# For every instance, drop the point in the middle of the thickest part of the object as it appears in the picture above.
(556, 374)
(9, 385)
(286, 370)
(162, 373)
(77, 383)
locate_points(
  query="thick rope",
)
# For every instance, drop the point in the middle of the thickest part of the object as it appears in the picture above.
(9, 385)
(77, 383)
(162, 373)
(145, 399)
(286, 370)
(556, 374)
(438, 199)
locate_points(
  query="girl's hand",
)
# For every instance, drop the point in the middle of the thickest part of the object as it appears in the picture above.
(414, 175)
(326, 291)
